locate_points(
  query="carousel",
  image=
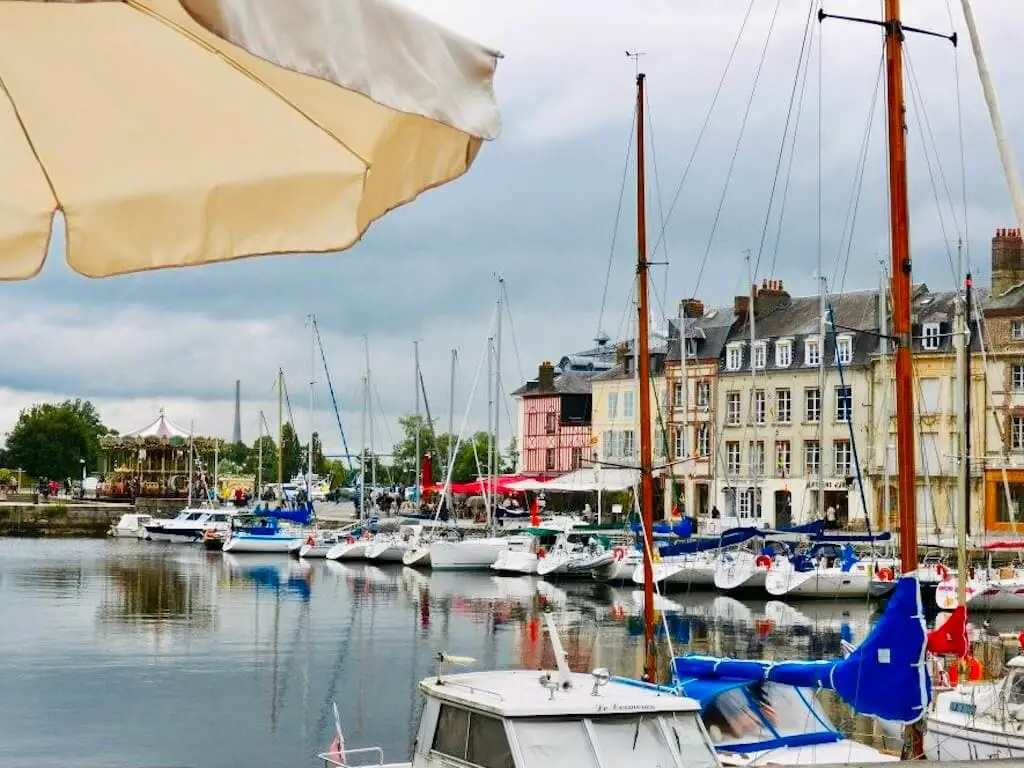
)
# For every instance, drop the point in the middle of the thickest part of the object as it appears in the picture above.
(153, 461)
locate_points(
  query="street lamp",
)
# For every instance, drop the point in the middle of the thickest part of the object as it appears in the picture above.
(82, 491)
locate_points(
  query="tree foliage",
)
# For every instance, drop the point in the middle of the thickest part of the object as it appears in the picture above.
(51, 439)
(469, 464)
(291, 452)
(269, 459)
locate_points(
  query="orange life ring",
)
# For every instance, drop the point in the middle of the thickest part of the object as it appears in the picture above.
(310, 540)
(942, 571)
(763, 561)
(885, 574)
(974, 670)
(620, 553)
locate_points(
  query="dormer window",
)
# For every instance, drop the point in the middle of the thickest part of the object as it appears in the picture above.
(783, 353)
(691, 347)
(812, 351)
(844, 350)
(734, 357)
(930, 336)
(760, 355)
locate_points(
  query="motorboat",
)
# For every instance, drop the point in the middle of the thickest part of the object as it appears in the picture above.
(576, 554)
(526, 719)
(189, 526)
(474, 553)
(130, 526)
(523, 561)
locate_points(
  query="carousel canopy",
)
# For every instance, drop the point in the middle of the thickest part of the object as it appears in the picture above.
(161, 428)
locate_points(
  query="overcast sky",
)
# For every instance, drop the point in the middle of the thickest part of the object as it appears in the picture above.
(540, 207)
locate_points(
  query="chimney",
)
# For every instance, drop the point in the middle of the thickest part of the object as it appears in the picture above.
(769, 297)
(740, 307)
(1007, 260)
(546, 376)
(690, 308)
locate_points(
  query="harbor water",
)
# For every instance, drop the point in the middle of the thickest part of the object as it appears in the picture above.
(124, 652)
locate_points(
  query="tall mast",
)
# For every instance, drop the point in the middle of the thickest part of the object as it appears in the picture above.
(497, 389)
(821, 393)
(369, 414)
(312, 382)
(899, 218)
(960, 341)
(490, 430)
(280, 431)
(883, 346)
(451, 429)
(968, 289)
(259, 458)
(362, 450)
(644, 372)
(191, 448)
(754, 467)
(416, 359)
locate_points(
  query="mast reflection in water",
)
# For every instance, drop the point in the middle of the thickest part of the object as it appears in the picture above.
(167, 654)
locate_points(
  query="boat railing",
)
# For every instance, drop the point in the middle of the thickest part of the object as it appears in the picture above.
(341, 760)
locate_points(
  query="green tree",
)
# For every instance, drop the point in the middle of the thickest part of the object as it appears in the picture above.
(235, 453)
(404, 452)
(269, 459)
(337, 471)
(291, 452)
(51, 439)
(319, 462)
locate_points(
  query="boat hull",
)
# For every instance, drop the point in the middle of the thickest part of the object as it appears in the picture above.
(680, 573)
(468, 554)
(355, 550)
(273, 544)
(618, 571)
(307, 551)
(739, 571)
(515, 563)
(948, 740)
(997, 595)
(386, 552)
(417, 558)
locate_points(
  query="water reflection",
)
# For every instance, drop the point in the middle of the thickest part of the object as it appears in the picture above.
(253, 649)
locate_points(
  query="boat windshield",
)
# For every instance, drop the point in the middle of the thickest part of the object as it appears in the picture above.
(763, 712)
(669, 741)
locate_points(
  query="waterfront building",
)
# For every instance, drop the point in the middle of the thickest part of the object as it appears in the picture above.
(696, 341)
(793, 405)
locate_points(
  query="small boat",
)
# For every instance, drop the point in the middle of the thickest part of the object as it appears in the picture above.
(572, 558)
(213, 540)
(523, 561)
(130, 526)
(620, 570)
(818, 574)
(691, 563)
(316, 545)
(392, 547)
(996, 589)
(189, 526)
(473, 553)
(526, 719)
(270, 530)
(351, 547)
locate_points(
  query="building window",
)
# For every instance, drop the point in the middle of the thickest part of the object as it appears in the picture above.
(577, 458)
(613, 405)
(677, 394)
(732, 457)
(844, 350)
(812, 405)
(691, 347)
(757, 458)
(734, 357)
(659, 444)
(703, 440)
(843, 457)
(549, 458)
(703, 394)
(1017, 377)
(812, 457)
(732, 408)
(1017, 433)
(678, 442)
(759, 407)
(628, 443)
(1017, 330)
(783, 406)
(930, 337)
(783, 354)
(844, 403)
(550, 422)
(812, 351)
(627, 404)
(608, 444)
(783, 458)
(930, 395)
(760, 355)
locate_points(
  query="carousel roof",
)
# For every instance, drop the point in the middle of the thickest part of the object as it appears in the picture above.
(162, 427)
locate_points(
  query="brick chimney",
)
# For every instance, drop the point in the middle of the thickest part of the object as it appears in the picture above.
(769, 297)
(1007, 260)
(740, 307)
(546, 376)
(691, 308)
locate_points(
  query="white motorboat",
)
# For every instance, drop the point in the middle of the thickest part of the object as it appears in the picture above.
(571, 557)
(979, 720)
(526, 719)
(473, 553)
(519, 562)
(681, 571)
(130, 526)
(189, 526)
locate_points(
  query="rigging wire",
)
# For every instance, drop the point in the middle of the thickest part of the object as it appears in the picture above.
(512, 330)
(615, 226)
(661, 211)
(739, 141)
(808, 30)
(960, 141)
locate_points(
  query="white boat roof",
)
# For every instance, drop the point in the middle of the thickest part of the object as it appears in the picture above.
(519, 693)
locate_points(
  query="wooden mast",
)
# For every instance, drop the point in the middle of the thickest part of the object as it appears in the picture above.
(899, 221)
(643, 363)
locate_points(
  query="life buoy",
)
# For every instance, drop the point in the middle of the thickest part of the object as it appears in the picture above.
(763, 561)
(942, 571)
(620, 553)
(367, 535)
(350, 539)
(310, 540)
(885, 574)
(541, 553)
(974, 670)
(1020, 640)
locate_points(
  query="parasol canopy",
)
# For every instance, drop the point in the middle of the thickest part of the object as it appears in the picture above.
(179, 132)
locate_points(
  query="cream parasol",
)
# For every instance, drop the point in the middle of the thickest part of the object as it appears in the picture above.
(178, 132)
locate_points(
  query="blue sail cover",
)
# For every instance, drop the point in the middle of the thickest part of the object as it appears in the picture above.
(885, 676)
(729, 538)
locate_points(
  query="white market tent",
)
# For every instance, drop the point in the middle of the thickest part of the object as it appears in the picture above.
(603, 479)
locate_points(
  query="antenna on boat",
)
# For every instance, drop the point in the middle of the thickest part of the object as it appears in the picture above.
(564, 674)
(446, 658)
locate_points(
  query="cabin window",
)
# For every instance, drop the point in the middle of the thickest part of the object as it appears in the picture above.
(554, 742)
(631, 740)
(472, 738)
(1015, 690)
